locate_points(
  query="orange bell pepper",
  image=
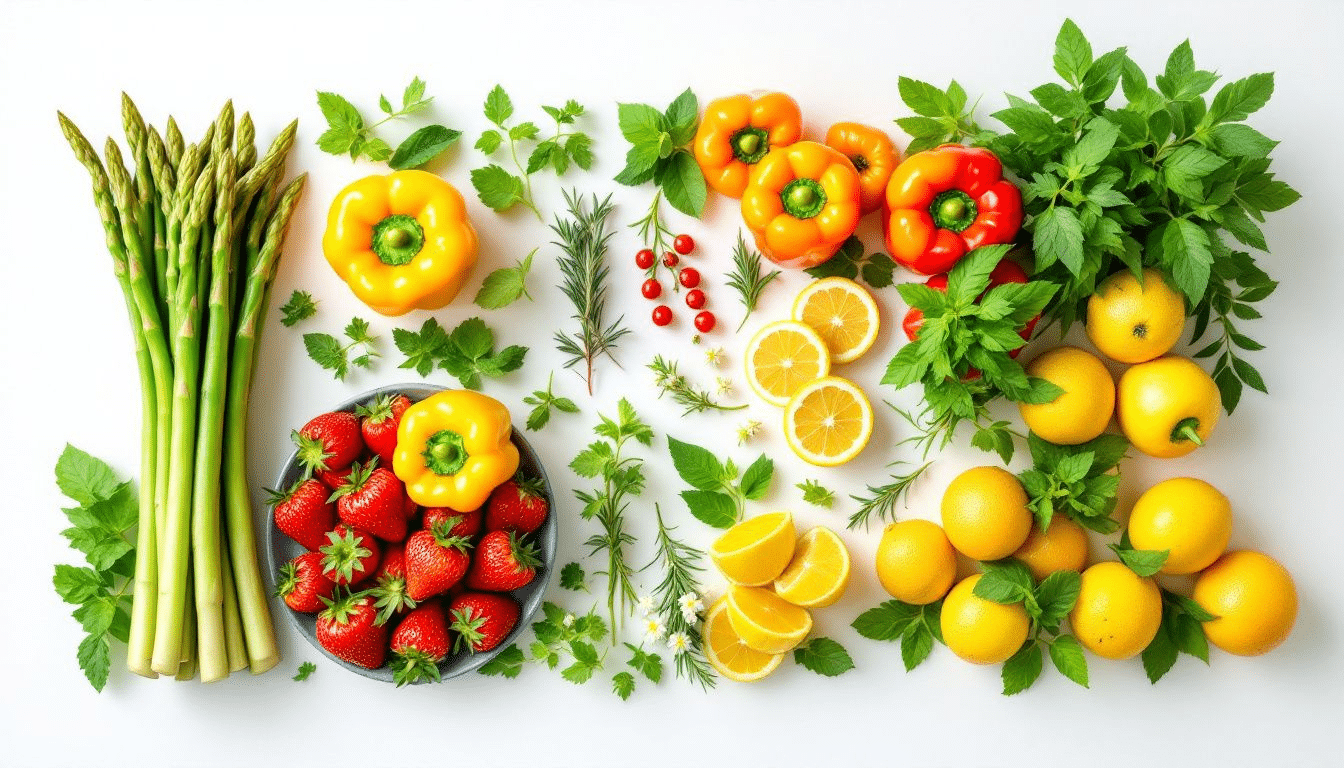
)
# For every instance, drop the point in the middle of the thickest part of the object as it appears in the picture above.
(873, 156)
(737, 132)
(802, 203)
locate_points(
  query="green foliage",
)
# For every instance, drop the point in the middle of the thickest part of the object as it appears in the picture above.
(543, 402)
(823, 656)
(915, 627)
(100, 523)
(746, 277)
(718, 498)
(584, 269)
(500, 189)
(300, 306)
(328, 351)
(1047, 604)
(1181, 631)
(466, 352)
(347, 134)
(875, 268)
(571, 578)
(505, 285)
(683, 393)
(658, 151)
(680, 564)
(306, 669)
(816, 493)
(1074, 480)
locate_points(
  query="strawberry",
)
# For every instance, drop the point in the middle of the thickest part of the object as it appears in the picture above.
(516, 505)
(435, 561)
(350, 555)
(420, 643)
(389, 584)
(302, 585)
(303, 513)
(462, 523)
(335, 478)
(482, 620)
(378, 423)
(349, 629)
(374, 500)
(329, 441)
(504, 561)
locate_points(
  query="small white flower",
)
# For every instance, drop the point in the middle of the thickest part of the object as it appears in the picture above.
(646, 605)
(654, 629)
(568, 621)
(691, 605)
(714, 356)
(679, 642)
(724, 385)
(747, 430)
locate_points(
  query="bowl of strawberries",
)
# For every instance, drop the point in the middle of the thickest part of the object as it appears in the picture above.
(410, 533)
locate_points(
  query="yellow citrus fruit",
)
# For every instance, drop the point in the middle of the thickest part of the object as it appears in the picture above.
(756, 550)
(1118, 611)
(842, 313)
(1085, 408)
(782, 357)
(725, 651)
(978, 630)
(1189, 517)
(1133, 323)
(819, 572)
(1161, 403)
(915, 562)
(1061, 547)
(1254, 599)
(985, 513)
(765, 621)
(828, 421)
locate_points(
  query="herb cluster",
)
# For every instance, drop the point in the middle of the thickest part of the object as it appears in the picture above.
(658, 152)
(338, 357)
(875, 269)
(717, 497)
(1047, 604)
(1074, 480)
(347, 132)
(467, 352)
(500, 189)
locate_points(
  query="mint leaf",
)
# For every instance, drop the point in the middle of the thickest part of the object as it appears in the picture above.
(887, 621)
(498, 106)
(1058, 236)
(83, 477)
(641, 123)
(1160, 655)
(924, 98)
(682, 117)
(422, 349)
(682, 182)
(1144, 562)
(756, 478)
(1239, 140)
(712, 508)
(497, 188)
(1073, 54)
(823, 656)
(325, 350)
(95, 659)
(1066, 653)
(916, 644)
(489, 141)
(505, 285)
(1186, 168)
(697, 466)
(423, 146)
(508, 663)
(339, 112)
(77, 585)
(1236, 101)
(1185, 249)
(1020, 671)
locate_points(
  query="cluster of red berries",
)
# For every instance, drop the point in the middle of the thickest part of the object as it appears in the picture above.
(686, 277)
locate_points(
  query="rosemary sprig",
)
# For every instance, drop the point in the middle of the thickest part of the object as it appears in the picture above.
(583, 238)
(621, 476)
(746, 277)
(670, 382)
(881, 499)
(680, 563)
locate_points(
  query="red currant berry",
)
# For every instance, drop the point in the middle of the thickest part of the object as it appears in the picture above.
(670, 259)
(695, 299)
(651, 289)
(662, 314)
(690, 277)
(644, 259)
(683, 244)
(704, 322)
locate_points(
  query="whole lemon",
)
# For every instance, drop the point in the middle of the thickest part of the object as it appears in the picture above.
(1061, 547)
(1133, 323)
(1118, 612)
(1167, 407)
(980, 631)
(1254, 599)
(985, 513)
(1085, 408)
(915, 561)
(1188, 517)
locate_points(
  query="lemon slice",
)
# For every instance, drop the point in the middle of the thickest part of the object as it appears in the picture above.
(726, 652)
(842, 313)
(782, 357)
(756, 550)
(828, 421)
(765, 621)
(819, 572)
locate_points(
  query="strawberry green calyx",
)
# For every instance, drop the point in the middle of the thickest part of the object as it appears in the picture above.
(275, 497)
(359, 477)
(378, 411)
(390, 598)
(342, 608)
(524, 553)
(468, 629)
(343, 555)
(413, 665)
(443, 534)
(529, 488)
(313, 454)
(289, 580)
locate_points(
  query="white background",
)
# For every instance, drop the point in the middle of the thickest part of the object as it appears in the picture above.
(68, 375)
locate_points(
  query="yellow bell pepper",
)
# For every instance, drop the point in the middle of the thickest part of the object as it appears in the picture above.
(401, 241)
(802, 203)
(454, 448)
(735, 134)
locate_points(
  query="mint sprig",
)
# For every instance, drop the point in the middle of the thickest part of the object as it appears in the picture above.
(1047, 604)
(347, 132)
(338, 357)
(467, 352)
(1075, 481)
(501, 189)
(915, 627)
(658, 151)
(717, 497)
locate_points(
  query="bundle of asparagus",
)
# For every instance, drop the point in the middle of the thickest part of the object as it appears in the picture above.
(195, 234)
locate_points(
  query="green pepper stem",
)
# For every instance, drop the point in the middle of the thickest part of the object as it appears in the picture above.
(397, 239)
(803, 198)
(1185, 430)
(750, 144)
(953, 210)
(445, 452)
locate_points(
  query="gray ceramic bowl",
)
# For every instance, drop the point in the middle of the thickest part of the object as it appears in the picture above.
(280, 549)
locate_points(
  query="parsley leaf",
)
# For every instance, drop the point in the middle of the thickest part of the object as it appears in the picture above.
(505, 285)
(543, 402)
(500, 189)
(571, 577)
(508, 663)
(422, 349)
(347, 133)
(623, 684)
(305, 669)
(469, 356)
(816, 493)
(876, 269)
(300, 306)
(328, 351)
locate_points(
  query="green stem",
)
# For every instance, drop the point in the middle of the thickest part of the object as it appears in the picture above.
(527, 180)
(234, 641)
(1185, 430)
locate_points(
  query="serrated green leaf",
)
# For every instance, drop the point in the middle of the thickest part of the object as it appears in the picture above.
(1066, 653)
(339, 112)
(489, 141)
(887, 621)
(1073, 54)
(497, 188)
(1022, 669)
(1058, 236)
(697, 466)
(756, 479)
(623, 684)
(83, 477)
(712, 508)
(682, 183)
(824, 656)
(508, 663)
(1237, 100)
(95, 659)
(924, 98)
(505, 285)
(423, 146)
(916, 644)
(498, 106)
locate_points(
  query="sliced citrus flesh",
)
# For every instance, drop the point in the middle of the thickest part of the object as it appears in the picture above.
(765, 621)
(828, 421)
(756, 550)
(842, 313)
(782, 357)
(725, 651)
(819, 572)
